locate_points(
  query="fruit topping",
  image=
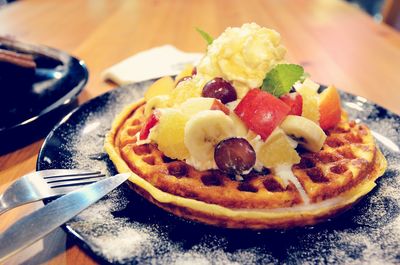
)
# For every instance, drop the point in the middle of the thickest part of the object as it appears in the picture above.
(329, 108)
(150, 123)
(304, 131)
(242, 108)
(169, 134)
(162, 86)
(183, 79)
(234, 156)
(155, 102)
(240, 128)
(294, 101)
(202, 132)
(220, 89)
(308, 91)
(195, 105)
(261, 112)
(186, 89)
(185, 73)
(277, 150)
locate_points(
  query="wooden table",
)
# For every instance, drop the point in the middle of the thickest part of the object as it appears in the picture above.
(334, 41)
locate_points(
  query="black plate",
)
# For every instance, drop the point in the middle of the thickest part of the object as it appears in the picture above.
(124, 228)
(28, 111)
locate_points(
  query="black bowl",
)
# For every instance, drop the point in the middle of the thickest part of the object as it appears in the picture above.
(29, 110)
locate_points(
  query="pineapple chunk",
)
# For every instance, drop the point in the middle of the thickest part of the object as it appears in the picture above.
(186, 89)
(277, 150)
(169, 134)
(195, 105)
(309, 93)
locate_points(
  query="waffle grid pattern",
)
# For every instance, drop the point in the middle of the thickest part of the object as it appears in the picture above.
(344, 161)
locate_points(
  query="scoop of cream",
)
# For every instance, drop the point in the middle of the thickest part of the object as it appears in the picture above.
(243, 56)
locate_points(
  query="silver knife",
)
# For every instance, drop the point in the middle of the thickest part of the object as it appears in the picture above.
(36, 225)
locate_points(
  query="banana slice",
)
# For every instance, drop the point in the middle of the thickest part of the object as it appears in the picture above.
(304, 131)
(154, 103)
(203, 132)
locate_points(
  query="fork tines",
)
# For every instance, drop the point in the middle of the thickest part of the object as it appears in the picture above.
(73, 179)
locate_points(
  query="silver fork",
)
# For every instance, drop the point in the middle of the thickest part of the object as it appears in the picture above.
(45, 184)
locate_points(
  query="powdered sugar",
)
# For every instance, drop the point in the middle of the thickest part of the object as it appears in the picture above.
(124, 228)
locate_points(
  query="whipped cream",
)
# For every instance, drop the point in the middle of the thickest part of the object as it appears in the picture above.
(243, 56)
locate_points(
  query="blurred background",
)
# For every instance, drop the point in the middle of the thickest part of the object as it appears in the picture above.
(386, 11)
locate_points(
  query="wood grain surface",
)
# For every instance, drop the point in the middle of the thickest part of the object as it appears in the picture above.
(335, 42)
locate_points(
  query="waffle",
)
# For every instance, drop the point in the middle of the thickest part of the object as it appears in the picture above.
(333, 179)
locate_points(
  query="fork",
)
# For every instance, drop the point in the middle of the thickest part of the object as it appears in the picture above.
(45, 184)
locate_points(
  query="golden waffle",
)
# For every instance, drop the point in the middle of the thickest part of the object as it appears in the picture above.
(334, 178)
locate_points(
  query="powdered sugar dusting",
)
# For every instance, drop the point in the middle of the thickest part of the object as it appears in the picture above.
(130, 241)
(124, 228)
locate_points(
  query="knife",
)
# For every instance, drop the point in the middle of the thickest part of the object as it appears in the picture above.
(41, 222)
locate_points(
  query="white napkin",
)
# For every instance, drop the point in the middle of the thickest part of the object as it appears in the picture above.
(149, 64)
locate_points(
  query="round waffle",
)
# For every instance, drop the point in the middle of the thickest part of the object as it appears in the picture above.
(333, 179)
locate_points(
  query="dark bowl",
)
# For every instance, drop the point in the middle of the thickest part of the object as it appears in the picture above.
(30, 108)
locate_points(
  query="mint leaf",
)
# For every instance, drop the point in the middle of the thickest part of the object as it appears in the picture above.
(281, 78)
(205, 36)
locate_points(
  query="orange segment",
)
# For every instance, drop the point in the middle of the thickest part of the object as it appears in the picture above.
(329, 108)
(162, 86)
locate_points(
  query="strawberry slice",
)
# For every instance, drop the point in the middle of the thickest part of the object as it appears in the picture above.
(261, 112)
(294, 101)
(150, 123)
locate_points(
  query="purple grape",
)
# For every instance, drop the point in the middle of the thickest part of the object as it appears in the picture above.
(234, 155)
(220, 89)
